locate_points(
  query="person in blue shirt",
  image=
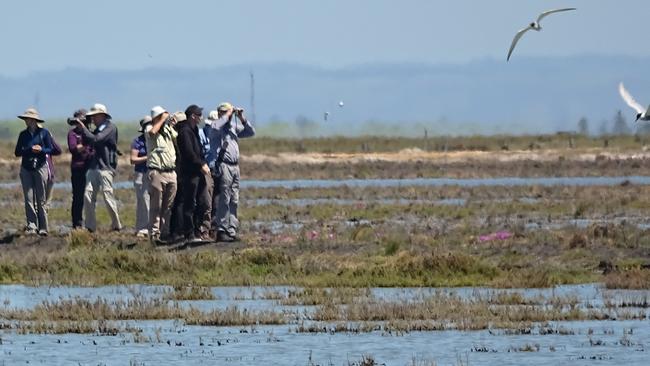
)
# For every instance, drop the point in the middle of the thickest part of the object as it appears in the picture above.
(33, 145)
(141, 180)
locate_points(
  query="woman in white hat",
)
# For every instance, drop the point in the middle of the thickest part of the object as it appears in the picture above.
(33, 145)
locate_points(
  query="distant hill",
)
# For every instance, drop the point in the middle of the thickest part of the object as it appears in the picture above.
(528, 95)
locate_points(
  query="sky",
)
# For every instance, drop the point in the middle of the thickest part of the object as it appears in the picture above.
(45, 35)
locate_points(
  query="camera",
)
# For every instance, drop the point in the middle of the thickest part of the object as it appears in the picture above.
(72, 121)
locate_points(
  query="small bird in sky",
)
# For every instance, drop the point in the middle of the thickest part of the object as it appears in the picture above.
(533, 26)
(641, 113)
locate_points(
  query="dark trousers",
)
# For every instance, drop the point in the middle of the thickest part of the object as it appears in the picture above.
(196, 205)
(190, 190)
(78, 178)
(215, 201)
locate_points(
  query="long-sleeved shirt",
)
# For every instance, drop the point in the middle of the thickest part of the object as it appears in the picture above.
(104, 141)
(161, 152)
(80, 158)
(26, 140)
(223, 132)
(190, 149)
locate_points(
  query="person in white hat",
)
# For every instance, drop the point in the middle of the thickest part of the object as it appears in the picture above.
(160, 139)
(101, 168)
(33, 144)
(141, 180)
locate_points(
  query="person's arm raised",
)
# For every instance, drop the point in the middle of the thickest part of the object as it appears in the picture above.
(158, 124)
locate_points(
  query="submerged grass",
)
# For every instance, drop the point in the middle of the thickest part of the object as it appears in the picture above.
(337, 310)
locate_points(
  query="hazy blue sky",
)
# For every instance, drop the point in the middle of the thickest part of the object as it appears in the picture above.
(121, 34)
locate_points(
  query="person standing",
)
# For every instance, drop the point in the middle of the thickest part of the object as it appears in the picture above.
(141, 180)
(82, 152)
(160, 137)
(224, 141)
(33, 144)
(101, 169)
(192, 176)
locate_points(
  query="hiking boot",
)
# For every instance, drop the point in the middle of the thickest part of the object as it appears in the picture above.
(42, 233)
(225, 238)
(30, 231)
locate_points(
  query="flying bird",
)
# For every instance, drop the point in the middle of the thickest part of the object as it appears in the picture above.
(533, 26)
(641, 113)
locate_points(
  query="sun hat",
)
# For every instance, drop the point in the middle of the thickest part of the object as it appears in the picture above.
(213, 115)
(224, 107)
(31, 113)
(98, 109)
(179, 116)
(144, 122)
(157, 111)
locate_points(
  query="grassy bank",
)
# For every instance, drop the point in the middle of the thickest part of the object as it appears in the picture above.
(359, 257)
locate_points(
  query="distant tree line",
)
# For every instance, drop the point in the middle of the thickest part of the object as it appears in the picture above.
(617, 126)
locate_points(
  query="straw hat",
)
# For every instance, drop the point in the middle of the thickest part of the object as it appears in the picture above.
(31, 113)
(98, 109)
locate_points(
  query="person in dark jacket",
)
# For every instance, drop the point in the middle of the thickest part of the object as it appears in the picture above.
(82, 152)
(192, 171)
(101, 169)
(33, 144)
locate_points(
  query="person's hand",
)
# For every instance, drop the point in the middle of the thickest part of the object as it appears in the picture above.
(205, 170)
(80, 147)
(242, 116)
(37, 148)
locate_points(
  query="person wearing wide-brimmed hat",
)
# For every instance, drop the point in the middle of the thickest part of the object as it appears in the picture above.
(33, 144)
(82, 152)
(141, 180)
(101, 169)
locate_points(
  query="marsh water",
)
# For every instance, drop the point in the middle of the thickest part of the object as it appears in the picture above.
(608, 342)
(412, 182)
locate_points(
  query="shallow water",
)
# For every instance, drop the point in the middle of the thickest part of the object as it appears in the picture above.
(426, 182)
(278, 345)
(171, 342)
